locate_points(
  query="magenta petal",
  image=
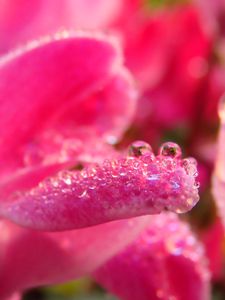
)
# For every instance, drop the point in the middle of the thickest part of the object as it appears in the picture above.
(60, 76)
(165, 262)
(117, 189)
(31, 258)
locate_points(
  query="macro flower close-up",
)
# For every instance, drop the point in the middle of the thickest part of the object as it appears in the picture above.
(112, 158)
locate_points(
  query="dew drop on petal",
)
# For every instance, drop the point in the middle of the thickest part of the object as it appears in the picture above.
(197, 184)
(170, 149)
(139, 148)
(82, 193)
(190, 201)
(190, 166)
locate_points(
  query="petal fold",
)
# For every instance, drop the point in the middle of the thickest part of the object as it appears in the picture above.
(72, 79)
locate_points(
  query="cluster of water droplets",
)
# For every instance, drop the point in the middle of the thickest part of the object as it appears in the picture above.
(169, 167)
(139, 183)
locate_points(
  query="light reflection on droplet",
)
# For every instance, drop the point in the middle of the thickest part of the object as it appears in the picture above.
(139, 148)
(170, 149)
(190, 166)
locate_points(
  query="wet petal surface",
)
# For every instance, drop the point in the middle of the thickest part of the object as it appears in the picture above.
(121, 188)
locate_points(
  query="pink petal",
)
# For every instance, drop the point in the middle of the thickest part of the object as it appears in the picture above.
(72, 81)
(185, 55)
(116, 189)
(145, 45)
(165, 262)
(31, 258)
(23, 20)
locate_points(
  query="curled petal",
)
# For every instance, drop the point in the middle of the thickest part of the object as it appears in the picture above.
(73, 80)
(30, 258)
(138, 184)
(165, 262)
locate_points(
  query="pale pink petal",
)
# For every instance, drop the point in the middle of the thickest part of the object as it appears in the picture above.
(130, 186)
(23, 20)
(30, 258)
(165, 262)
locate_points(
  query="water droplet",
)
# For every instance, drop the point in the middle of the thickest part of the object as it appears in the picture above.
(179, 210)
(197, 184)
(154, 177)
(112, 140)
(190, 166)
(175, 185)
(173, 248)
(170, 149)
(107, 164)
(139, 148)
(55, 182)
(92, 186)
(190, 201)
(67, 180)
(82, 194)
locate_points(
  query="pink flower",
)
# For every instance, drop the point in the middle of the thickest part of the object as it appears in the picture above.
(58, 113)
(65, 100)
